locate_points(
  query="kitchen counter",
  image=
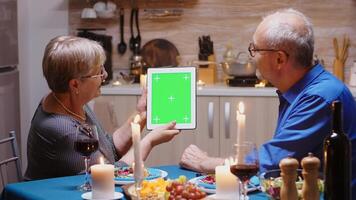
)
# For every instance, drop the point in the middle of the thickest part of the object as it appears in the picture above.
(219, 89)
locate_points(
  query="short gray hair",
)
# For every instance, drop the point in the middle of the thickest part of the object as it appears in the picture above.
(297, 41)
(69, 57)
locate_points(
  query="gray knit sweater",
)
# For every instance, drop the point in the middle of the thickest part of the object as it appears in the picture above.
(50, 145)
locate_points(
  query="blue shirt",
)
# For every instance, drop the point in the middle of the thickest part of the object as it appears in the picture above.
(305, 119)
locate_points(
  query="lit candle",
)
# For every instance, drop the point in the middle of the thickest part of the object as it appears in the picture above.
(200, 83)
(136, 139)
(103, 180)
(227, 186)
(241, 122)
(143, 80)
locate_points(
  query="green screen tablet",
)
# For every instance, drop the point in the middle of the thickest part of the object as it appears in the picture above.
(171, 95)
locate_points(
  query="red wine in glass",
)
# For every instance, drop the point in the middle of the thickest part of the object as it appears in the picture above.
(244, 172)
(86, 143)
(86, 146)
(247, 163)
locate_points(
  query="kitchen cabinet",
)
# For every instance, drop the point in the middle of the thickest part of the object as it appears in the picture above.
(261, 119)
(216, 124)
(113, 110)
(205, 136)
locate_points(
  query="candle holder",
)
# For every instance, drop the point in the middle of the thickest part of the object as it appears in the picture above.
(139, 177)
(138, 187)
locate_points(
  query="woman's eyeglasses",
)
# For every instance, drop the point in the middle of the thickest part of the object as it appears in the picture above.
(252, 49)
(101, 75)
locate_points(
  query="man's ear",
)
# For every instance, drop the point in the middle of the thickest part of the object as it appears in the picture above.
(281, 57)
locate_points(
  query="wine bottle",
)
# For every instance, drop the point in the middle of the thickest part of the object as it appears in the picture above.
(337, 157)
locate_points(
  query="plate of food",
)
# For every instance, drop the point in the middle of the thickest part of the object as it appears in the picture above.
(124, 175)
(207, 183)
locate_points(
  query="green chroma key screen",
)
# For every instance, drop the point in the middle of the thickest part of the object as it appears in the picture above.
(171, 96)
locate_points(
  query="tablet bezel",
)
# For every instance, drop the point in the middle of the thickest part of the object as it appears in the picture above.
(193, 101)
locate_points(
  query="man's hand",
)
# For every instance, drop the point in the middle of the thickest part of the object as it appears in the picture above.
(195, 159)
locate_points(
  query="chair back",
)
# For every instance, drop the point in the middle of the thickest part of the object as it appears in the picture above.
(14, 158)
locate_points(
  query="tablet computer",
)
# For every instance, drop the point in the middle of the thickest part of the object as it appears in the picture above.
(171, 96)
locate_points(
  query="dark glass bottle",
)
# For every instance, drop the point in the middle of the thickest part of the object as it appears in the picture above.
(337, 159)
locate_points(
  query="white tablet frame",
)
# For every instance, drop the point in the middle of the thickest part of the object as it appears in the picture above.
(193, 101)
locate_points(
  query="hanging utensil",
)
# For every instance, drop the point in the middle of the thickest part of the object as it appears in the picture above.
(138, 37)
(132, 38)
(121, 47)
(135, 41)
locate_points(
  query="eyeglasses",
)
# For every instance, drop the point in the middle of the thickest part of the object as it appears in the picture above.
(101, 75)
(252, 49)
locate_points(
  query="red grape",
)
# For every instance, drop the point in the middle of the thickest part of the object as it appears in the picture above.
(187, 191)
(169, 188)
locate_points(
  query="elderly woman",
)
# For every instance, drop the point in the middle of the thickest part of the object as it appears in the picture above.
(73, 68)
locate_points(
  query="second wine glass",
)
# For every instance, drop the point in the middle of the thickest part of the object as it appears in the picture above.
(247, 164)
(86, 143)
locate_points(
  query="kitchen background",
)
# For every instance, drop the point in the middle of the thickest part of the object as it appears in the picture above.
(225, 21)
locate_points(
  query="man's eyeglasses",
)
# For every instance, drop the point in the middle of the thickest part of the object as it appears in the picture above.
(252, 49)
(101, 75)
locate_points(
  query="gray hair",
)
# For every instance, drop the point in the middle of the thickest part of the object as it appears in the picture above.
(70, 57)
(297, 40)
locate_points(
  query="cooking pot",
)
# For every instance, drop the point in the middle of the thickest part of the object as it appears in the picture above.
(242, 66)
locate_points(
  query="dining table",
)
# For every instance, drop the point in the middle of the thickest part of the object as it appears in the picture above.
(66, 187)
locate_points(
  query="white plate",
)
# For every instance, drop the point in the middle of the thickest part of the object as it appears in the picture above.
(195, 180)
(163, 175)
(214, 197)
(207, 190)
(88, 195)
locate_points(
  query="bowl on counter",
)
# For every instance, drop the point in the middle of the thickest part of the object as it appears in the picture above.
(271, 182)
(242, 66)
(238, 69)
(106, 14)
(124, 79)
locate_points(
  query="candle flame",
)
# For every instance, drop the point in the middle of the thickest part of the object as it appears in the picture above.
(241, 107)
(137, 119)
(101, 160)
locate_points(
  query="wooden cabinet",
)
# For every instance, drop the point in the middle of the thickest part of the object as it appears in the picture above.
(112, 111)
(216, 124)
(261, 119)
(205, 136)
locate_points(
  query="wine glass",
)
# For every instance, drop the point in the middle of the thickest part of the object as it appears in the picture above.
(86, 143)
(247, 164)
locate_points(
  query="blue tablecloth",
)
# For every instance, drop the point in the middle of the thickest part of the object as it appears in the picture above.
(65, 187)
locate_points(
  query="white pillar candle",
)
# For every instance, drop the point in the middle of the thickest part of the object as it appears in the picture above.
(136, 140)
(227, 186)
(103, 181)
(143, 80)
(241, 123)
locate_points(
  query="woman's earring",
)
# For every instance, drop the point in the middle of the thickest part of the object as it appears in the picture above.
(76, 92)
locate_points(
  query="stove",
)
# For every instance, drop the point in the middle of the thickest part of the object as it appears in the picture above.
(247, 81)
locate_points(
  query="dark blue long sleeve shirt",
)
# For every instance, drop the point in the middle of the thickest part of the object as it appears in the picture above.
(305, 120)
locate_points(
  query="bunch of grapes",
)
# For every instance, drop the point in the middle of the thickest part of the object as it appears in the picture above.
(184, 191)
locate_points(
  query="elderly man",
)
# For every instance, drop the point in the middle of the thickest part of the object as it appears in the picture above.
(283, 47)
